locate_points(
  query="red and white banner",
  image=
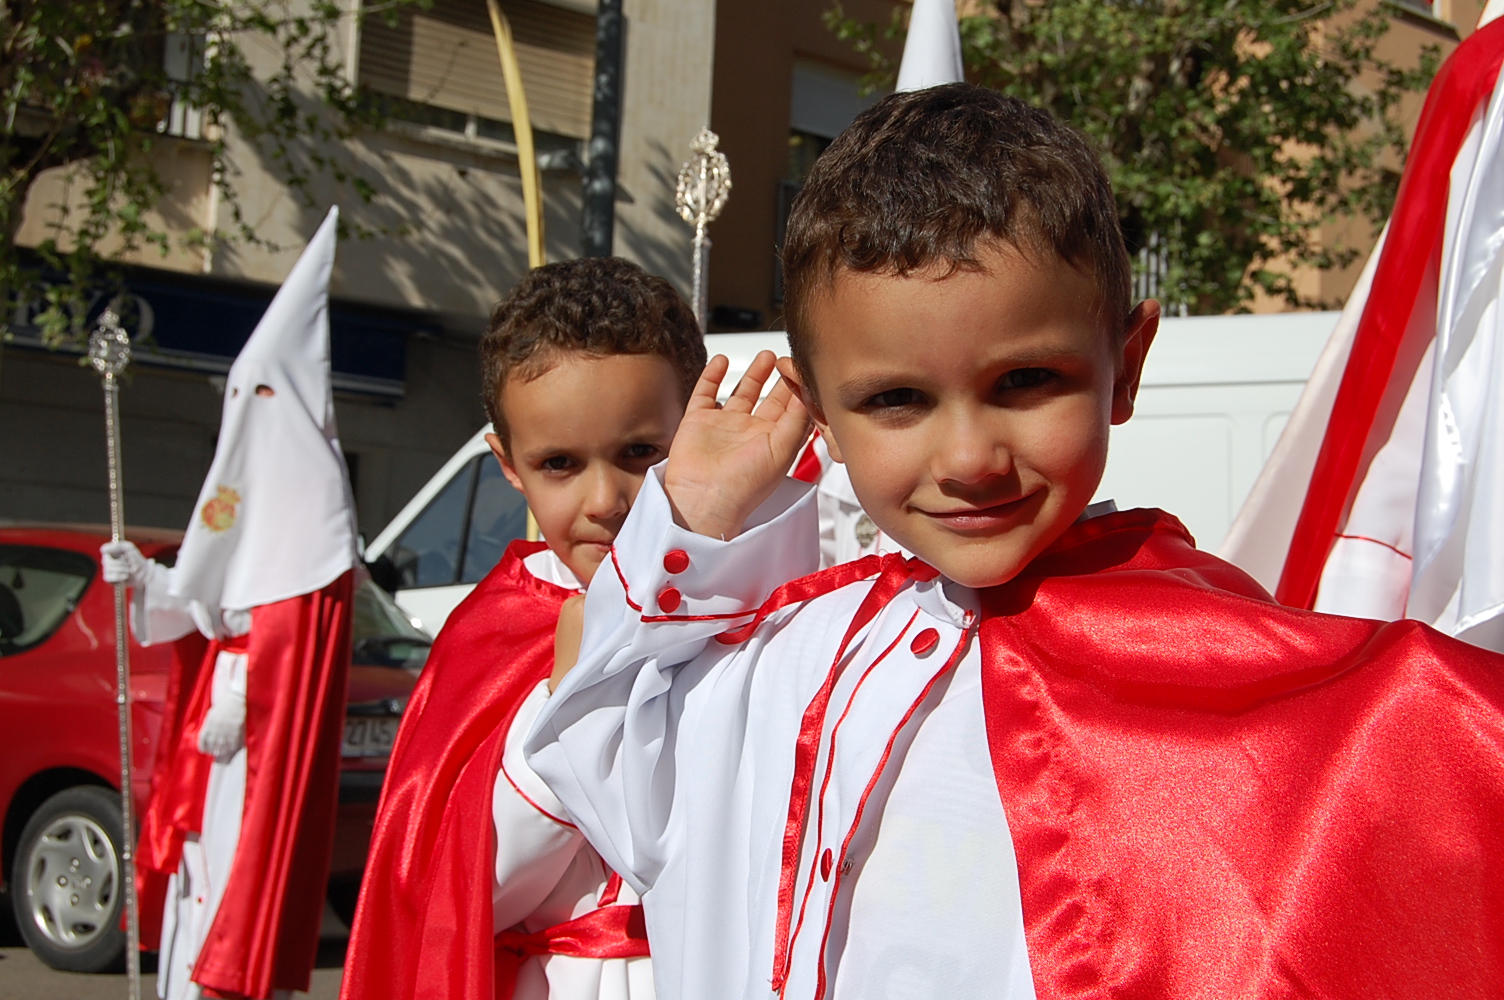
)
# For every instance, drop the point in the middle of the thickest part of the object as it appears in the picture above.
(1385, 495)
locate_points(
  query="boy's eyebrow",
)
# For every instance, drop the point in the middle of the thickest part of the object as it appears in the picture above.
(542, 451)
(860, 387)
(867, 384)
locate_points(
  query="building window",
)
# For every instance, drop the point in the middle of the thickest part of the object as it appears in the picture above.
(824, 100)
(804, 149)
(182, 61)
(437, 68)
(1439, 15)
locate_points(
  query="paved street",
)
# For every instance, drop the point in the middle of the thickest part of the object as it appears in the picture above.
(22, 977)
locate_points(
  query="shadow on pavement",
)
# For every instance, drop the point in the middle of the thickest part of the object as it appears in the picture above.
(10, 934)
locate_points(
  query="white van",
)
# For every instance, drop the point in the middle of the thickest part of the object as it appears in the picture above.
(1216, 393)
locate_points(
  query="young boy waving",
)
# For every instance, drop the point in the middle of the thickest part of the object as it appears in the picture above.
(1058, 753)
(478, 884)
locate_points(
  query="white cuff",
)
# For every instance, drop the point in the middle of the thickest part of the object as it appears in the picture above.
(157, 615)
(672, 574)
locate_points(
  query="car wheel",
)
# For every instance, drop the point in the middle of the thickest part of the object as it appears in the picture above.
(66, 886)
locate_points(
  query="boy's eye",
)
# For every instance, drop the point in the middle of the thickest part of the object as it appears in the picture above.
(555, 463)
(1025, 378)
(894, 399)
(641, 451)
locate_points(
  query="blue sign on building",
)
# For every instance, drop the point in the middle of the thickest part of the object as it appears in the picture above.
(201, 324)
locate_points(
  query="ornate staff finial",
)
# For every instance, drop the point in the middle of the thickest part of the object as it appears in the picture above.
(109, 346)
(703, 187)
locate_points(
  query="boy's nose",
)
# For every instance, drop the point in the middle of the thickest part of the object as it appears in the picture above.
(968, 452)
(607, 496)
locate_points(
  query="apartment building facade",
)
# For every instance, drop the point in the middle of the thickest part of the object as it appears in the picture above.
(410, 301)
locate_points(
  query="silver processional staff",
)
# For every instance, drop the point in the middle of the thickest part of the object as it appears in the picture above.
(109, 353)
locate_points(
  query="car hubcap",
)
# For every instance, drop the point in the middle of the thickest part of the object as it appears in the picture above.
(70, 889)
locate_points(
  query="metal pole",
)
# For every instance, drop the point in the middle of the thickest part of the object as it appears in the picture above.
(701, 301)
(598, 218)
(109, 353)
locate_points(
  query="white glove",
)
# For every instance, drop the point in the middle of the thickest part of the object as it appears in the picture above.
(124, 563)
(223, 732)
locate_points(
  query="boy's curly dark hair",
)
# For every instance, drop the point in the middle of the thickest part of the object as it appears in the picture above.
(921, 178)
(596, 306)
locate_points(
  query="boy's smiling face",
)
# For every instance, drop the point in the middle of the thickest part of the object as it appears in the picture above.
(582, 437)
(972, 409)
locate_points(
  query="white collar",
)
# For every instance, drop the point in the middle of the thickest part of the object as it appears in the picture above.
(548, 567)
(948, 601)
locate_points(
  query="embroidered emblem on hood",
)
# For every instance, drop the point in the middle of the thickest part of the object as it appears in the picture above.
(218, 512)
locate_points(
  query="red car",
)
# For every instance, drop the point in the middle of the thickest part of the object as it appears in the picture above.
(60, 767)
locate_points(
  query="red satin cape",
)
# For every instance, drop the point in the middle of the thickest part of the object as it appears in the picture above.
(423, 927)
(265, 933)
(1213, 796)
(1399, 318)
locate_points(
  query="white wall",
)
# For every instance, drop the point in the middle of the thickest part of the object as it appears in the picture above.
(1216, 393)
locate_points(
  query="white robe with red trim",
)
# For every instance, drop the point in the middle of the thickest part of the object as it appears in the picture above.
(907, 885)
(545, 872)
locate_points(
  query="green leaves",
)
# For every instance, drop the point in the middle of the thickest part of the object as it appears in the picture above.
(1233, 132)
(91, 86)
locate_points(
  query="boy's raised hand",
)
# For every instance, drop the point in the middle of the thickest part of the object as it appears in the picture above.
(727, 459)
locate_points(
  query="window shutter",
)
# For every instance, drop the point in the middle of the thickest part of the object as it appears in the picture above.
(446, 57)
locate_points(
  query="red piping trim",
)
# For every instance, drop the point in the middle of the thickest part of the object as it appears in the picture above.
(830, 759)
(525, 796)
(861, 806)
(1365, 538)
(626, 591)
(699, 618)
(896, 573)
(827, 580)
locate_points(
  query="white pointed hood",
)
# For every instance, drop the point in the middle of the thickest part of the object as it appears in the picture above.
(275, 518)
(932, 52)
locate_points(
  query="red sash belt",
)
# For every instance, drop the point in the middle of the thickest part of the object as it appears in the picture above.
(616, 931)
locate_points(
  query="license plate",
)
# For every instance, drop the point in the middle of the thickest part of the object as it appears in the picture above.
(370, 736)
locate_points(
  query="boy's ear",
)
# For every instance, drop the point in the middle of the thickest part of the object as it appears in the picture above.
(1143, 324)
(811, 405)
(507, 469)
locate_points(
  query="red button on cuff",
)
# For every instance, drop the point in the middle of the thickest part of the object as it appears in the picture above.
(925, 642)
(668, 600)
(826, 861)
(676, 561)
